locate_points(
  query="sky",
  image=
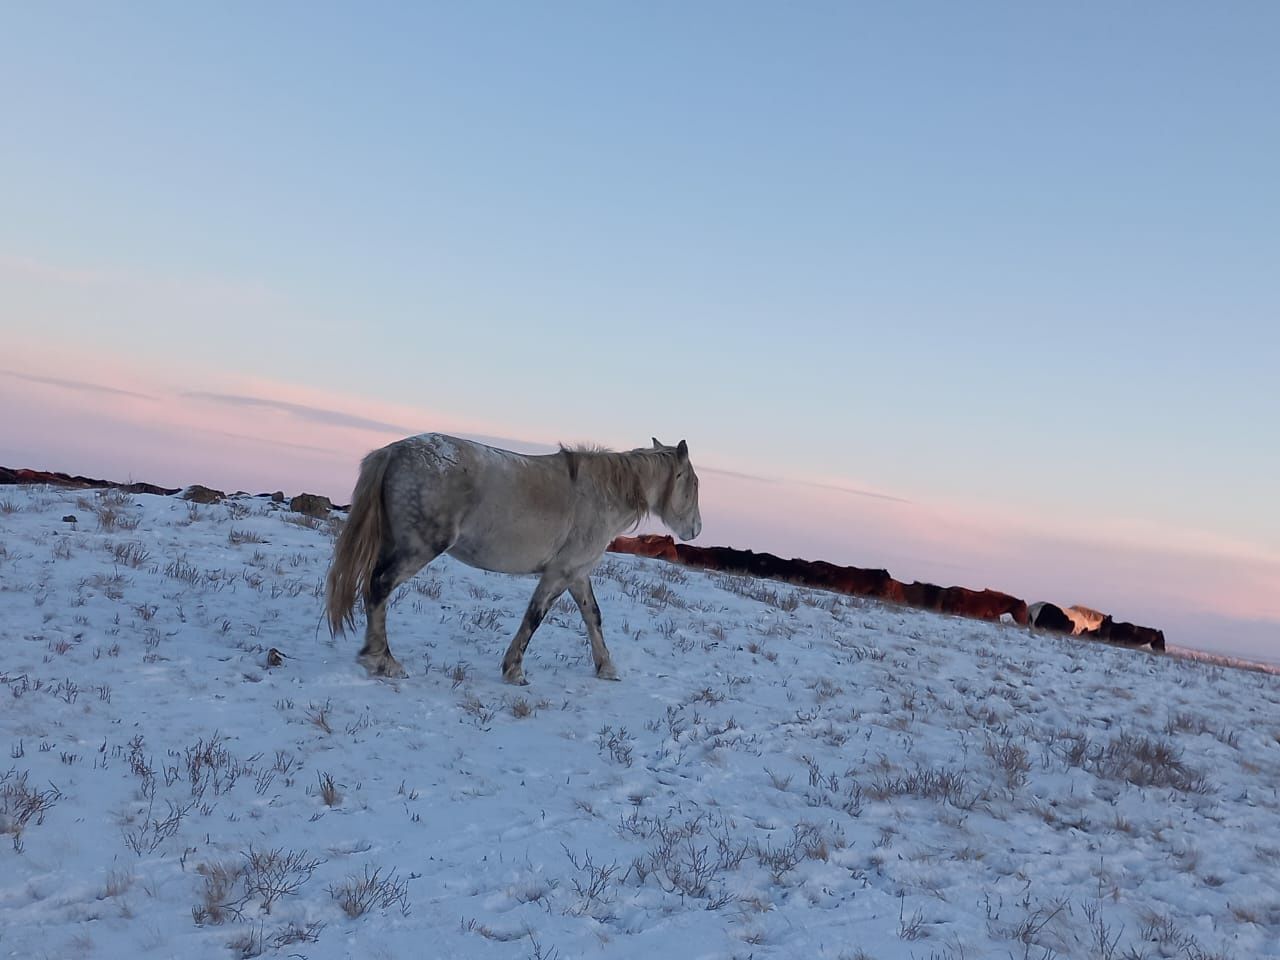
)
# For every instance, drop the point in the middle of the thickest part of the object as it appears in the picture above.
(981, 293)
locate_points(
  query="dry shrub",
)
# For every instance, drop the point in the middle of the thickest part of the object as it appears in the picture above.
(329, 790)
(118, 881)
(319, 716)
(1146, 762)
(22, 804)
(272, 874)
(948, 786)
(1011, 759)
(131, 553)
(357, 895)
(251, 943)
(217, 902)
(295, 933)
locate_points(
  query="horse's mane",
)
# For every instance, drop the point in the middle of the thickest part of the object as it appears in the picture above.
(620, 477)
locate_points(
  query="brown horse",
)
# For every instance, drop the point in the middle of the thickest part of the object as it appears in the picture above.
(507, 512)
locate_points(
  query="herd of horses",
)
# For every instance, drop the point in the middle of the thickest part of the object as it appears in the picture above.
(553, 515)
(1085, 622)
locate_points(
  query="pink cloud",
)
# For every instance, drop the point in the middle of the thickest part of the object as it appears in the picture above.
(104, 415)
(977, 549)
(72, 411)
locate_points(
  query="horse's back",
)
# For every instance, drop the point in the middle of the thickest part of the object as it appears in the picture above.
(1083, 618)
(509, 512)
(433, 450)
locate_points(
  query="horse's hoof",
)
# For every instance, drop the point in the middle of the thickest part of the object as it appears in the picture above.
(515, 676)
(384, 666)
(607, 672)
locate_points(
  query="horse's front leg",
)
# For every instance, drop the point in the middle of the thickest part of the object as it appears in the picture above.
(585, 597)
(544, 595)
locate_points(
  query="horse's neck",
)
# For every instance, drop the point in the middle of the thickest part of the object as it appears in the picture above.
(654, 476)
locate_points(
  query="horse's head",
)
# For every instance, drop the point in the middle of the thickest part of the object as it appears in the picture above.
(679, 508)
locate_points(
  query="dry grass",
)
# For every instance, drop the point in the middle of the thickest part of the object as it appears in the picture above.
(357, 895)
(779, 782)
(1170, 939)
(293, 933)
(180, 569)
(129, 554)
(948, 786)
(618, 744)
(109, 507)
(319, 716)
(473, 925)
(785, 599)
(269, 875)
(22, 805)
(117, 882)
(911, 927)
(457, 673)
(1123, 825)
(301, 520)
(476, 708)
(1011, 759)
(248, 944)
(1193, 723)
(328, 790)
(217, 900)
(1147, 762)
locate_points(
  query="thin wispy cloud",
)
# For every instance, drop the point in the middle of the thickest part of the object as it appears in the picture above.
(81, 385)
(758, 478)
(853, 491)
(321, 415)
(269, 442)
(339, 418)
(753, 477)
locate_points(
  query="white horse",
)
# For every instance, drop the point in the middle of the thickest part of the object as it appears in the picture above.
(1084, 618)
(507, 512)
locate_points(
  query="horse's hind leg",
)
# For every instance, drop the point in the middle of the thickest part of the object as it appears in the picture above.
(395, 566)
(544, 595)
(585, 597)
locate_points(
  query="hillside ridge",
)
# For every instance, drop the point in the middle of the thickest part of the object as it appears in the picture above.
(984, 604)
(195, 769)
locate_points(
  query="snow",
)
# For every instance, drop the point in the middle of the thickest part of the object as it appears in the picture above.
(780, 772)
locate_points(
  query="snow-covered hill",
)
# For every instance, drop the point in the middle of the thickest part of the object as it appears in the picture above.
(780, 773)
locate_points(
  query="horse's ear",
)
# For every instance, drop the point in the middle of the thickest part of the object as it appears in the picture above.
(682, 451)
(656, 444)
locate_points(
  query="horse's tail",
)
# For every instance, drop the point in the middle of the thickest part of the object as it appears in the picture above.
(359, 543)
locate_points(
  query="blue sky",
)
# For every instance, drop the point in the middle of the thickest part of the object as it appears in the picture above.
(1003, 259)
